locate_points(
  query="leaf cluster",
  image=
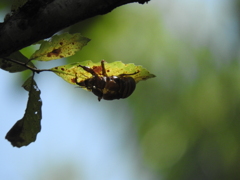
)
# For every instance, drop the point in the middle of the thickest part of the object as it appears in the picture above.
(26, 129)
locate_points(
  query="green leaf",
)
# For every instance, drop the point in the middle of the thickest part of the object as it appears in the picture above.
(25, 130)
(60, 46)
(14, 67)
(71, 72)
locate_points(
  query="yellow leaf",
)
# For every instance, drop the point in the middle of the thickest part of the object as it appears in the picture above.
(60, 46)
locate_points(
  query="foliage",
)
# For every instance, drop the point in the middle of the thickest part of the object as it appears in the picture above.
(72, 71)
(25, 130)
(13, 67)
(59, 46)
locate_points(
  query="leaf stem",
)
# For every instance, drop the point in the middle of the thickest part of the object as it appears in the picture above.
(33, 69)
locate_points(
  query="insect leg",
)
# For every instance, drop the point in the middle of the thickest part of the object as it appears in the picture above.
(122, 75)
(103, 69)
(88, 70)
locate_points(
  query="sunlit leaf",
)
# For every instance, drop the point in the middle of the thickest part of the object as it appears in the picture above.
(14, 67)
(71, 72)
(60, 46)
(25, 130)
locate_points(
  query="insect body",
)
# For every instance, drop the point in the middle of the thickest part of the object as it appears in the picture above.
(108, 87)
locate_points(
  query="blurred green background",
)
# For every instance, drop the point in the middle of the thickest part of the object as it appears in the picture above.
(186, 121)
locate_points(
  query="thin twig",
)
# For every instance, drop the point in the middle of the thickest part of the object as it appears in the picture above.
(26, 65)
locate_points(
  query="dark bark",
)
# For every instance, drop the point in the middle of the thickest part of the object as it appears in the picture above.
(40, 19)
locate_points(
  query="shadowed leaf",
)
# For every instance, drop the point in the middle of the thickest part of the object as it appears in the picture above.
(60, 46)
(25, 130)
(13, 67)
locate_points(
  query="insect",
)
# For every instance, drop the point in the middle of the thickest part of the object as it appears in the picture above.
(108, 87)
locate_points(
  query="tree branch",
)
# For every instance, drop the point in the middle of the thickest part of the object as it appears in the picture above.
(40, 19)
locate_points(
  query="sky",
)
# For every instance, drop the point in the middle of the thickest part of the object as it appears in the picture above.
(82, 138)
